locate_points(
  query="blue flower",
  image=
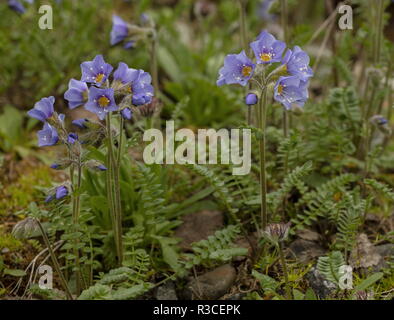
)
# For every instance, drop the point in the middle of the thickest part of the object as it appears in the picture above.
(251, 99)
(77, 93)
(72, 138)
(297, 63)
(267, 49)
(120, 30)
(43, 109)
(101, 101)
(264, 10)
(129, 44)
(96, 71)
(134, 82)
(238, 68)
(48, 136)
(16, 6)
(125, 75)
(126, 113)
(289, 90)
(81, 123)
(58, 193)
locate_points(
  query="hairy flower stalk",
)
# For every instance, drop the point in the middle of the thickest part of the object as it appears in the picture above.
(288, 82)
(263, 176)
(55, 261)
(103, 94)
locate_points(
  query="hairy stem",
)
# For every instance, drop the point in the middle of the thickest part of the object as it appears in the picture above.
(284, 266)
(55, 261)
(263, 179)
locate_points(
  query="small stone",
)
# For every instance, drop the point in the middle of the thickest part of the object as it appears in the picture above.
(305, 251)
(166, 292)
(214, 284)
(385, 250)
(364, 255)
(198, 226)
(309, 235)
(319, 284)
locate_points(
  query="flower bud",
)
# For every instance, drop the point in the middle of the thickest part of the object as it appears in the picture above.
(25, 229)
(72, 138)
(57, 193)
(381, 123)
(251, 99)
(96, 165)
(126, 113)
(148, 110)
(277, 232)
(61, 164)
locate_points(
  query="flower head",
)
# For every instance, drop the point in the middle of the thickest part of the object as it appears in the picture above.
(277, 232)
(17, 6)
(289, 90)
(72, 138)
(101, 101)
(119, 30)
(297, 63)
(43, 109)
(77, 93)
(96, 71)
(238, 68)
(267, 49)
(134, 82)
(126, 113)
(96, 165)
(251, 99)
(48, 136)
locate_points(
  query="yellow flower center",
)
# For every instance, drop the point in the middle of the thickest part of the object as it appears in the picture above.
(99, 77)
(246, 71)
(103, 101)
(266, 57)
(129, 89)
(280, 89)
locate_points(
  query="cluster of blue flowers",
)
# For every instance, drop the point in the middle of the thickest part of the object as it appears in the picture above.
(130, 34)
(291, 87)
(98, 95)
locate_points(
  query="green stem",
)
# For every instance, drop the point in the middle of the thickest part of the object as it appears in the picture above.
(55, 261)
(242, 24)
(284, 266)
(263, 179)
(117, 166)
(110, 187)
(153, 61)
(284, 20)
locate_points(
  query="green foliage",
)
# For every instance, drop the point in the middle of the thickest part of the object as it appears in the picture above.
(321, 201)
(217, 248)
(329, 266)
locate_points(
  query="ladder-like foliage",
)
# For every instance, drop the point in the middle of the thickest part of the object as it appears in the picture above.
(329, 266)
(216, 248)
(380, 187)
(321, 202)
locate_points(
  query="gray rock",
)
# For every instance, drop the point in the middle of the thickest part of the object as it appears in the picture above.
(364, 255)
(385, 250)
(214, 284)
(305, 251)
(319, 284)
(166, 291)
(198, 226)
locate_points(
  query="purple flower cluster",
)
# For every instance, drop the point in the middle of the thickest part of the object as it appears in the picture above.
(99, 98)
(290, 88)
(98, 95)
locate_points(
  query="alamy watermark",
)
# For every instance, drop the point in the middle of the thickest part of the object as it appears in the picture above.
(184, 146)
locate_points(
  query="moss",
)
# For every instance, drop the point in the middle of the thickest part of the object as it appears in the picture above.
(9, 242)
(25, 189)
